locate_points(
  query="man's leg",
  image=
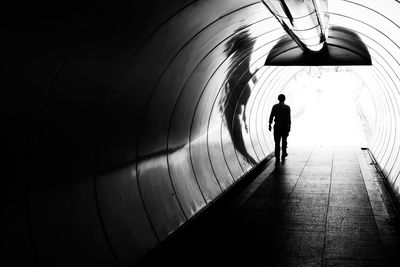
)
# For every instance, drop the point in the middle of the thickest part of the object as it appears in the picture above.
(277, 139)
(284, 145)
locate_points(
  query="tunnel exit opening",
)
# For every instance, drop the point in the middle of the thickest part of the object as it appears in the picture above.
(331, 106)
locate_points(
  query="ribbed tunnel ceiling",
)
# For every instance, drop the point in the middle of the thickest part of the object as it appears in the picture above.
(134, 124)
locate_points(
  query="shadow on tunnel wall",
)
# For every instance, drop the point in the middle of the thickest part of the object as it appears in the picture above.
(237, 91)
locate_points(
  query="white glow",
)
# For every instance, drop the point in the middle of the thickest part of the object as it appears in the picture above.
(324, 107)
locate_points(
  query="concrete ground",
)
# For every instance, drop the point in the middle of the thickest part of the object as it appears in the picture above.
(322, 206)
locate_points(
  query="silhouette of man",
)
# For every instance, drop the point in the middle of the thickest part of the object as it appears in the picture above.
(281, 113)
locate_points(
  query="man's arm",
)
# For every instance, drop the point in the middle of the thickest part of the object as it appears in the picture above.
(289, 119)
(271, 118)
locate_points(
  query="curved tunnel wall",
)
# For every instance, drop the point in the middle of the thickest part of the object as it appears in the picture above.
(129, 121)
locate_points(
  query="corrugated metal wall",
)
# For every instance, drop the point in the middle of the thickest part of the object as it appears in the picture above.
(122, 122)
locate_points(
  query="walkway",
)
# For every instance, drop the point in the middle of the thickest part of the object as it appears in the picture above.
(321, 207)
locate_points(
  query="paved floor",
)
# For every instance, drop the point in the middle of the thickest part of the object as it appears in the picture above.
(323, 206)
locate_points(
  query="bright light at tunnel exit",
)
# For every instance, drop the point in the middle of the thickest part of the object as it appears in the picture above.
(325, 107)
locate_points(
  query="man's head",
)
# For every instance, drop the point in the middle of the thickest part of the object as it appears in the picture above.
(281, 98)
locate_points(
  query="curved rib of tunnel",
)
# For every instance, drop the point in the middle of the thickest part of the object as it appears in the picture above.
(124, 122)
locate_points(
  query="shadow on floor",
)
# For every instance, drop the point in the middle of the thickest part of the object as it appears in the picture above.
(314, 209)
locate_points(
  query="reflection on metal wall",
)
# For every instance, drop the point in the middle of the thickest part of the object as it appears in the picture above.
(130, 125)
(141, 127)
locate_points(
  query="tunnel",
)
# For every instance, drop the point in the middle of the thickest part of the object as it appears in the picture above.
(123, 121)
